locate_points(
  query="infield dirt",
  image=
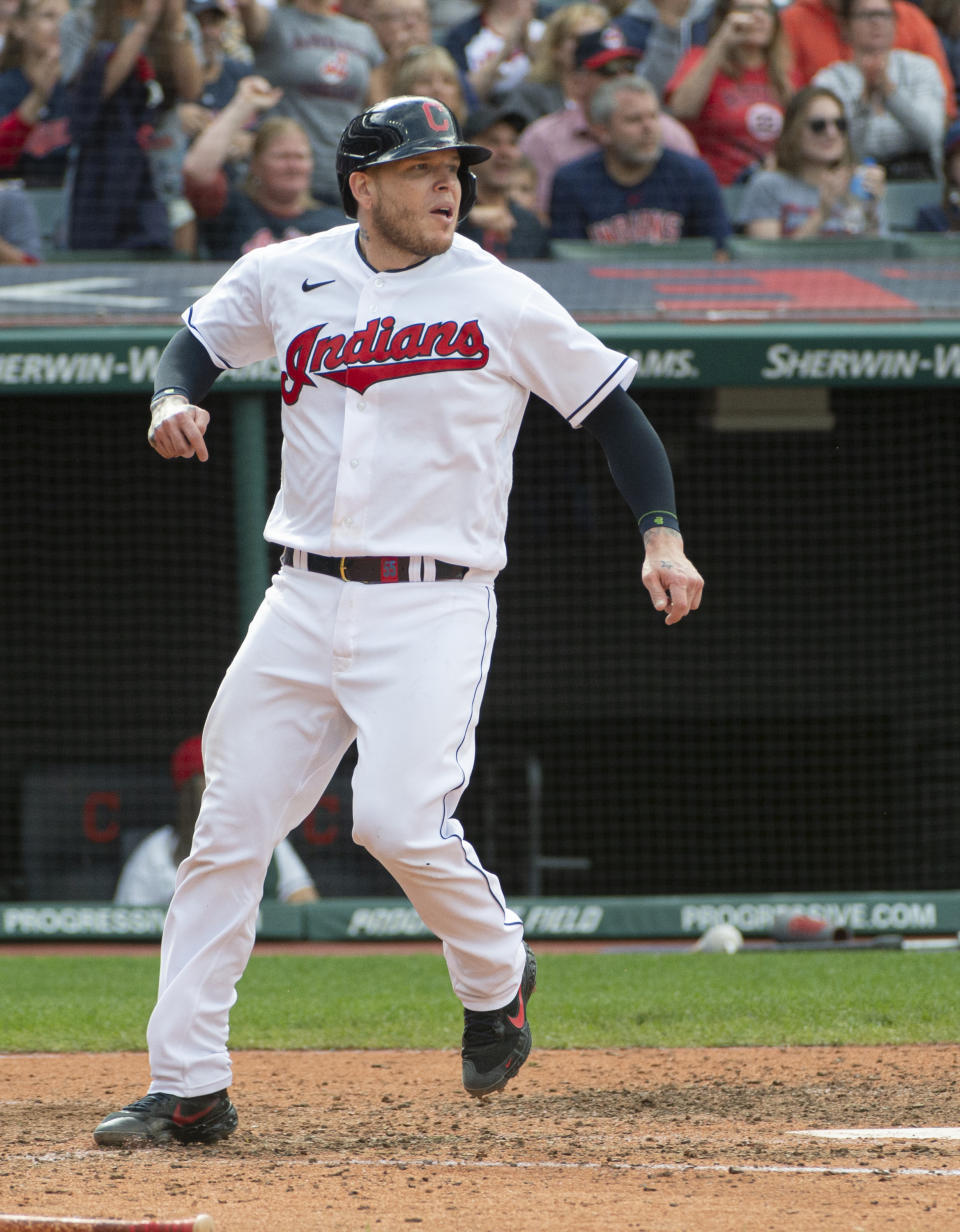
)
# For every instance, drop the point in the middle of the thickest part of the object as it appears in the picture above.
(685, 1140)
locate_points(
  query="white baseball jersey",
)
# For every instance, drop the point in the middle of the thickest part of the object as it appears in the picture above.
(402, 391)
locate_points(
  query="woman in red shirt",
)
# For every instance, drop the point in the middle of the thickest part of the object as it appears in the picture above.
(732, 92)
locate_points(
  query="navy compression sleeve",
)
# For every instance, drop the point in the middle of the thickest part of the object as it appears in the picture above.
(185, 368)
(637, 459)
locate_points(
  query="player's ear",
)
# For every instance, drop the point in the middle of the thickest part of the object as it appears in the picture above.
(360, 183)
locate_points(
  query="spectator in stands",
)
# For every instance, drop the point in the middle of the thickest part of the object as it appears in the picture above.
(731, 93)
(110, 46)
(34, 109)
(894, 99)
(497, 223)
(566, 134)
(945, 15)
(816, 189)
(149, 875)
(946, 215)
(494, 47)
(20, 242)
(222, 74)
(358, 10)
(8, 9)
(445, 14)
(817, 38)
(432, 71)
(664, 31)
(523, 184)
(543, 90)
(632, 190)
(274, 201)
(322, 62)
(125, 74)
(398, 25)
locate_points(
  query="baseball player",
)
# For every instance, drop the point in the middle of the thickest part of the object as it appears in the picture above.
(408, 355)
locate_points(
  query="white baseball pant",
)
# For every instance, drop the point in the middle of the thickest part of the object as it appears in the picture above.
(400, 667)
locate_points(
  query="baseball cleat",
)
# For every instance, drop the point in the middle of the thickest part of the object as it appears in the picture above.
(497, 1042)
(159, 1117)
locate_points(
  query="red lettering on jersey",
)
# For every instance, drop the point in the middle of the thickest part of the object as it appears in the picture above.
(406, 343)
(330, 351)
(298, 361)
(377, 353)
(359, 350)
(468, 339)
(383, 342)
(638, 226)
(444, 337)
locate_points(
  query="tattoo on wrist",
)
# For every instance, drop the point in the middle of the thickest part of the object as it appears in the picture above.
(657, 530)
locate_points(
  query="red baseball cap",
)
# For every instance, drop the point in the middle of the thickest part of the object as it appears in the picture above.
(186, 761)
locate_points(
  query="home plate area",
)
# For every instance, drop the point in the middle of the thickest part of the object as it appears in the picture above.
(660, 1140)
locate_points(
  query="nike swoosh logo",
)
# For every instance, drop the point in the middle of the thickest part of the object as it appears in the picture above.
(312, 286)
(521, 1016)
(183, 1118)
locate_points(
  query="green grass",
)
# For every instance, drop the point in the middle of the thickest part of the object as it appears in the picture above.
(596, 1001)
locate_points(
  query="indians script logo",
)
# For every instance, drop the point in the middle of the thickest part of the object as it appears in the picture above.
(380, 352)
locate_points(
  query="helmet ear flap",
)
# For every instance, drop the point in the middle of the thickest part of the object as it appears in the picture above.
(468, 191)
(348, 199)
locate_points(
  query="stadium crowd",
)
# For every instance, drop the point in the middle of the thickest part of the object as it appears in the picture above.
(203, 128)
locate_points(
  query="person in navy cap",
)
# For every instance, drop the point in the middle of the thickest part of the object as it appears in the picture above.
(632, 190)
(564, 135)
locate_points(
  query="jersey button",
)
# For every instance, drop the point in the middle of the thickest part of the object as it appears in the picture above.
(354, 462)
(348, 521)
(361, 405)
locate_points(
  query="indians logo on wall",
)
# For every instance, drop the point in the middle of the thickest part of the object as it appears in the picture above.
(380, 352)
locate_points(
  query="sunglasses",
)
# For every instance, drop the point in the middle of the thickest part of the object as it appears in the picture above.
(819, 124)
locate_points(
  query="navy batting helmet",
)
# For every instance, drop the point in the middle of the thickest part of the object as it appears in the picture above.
(403, 127)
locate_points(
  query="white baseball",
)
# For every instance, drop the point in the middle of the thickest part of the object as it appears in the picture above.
(720, 939)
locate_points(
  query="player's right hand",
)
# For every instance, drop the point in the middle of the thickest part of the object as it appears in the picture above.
(177, 428)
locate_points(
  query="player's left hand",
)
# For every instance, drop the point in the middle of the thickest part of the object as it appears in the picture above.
(674, 583)
(177, 429)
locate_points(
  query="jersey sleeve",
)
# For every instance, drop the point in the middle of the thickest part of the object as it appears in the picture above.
(229, 320)
(563, 363)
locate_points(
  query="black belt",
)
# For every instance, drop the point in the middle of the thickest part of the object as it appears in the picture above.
(374, 568)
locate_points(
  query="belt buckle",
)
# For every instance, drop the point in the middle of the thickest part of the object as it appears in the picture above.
(343, 569)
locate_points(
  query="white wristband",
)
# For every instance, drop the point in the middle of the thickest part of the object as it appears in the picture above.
(164, 406)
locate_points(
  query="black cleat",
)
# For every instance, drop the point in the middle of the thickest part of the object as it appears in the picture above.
(497, 1042)
(163, 1118)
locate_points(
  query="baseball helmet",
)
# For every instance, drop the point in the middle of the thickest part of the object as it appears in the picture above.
(404, 127)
